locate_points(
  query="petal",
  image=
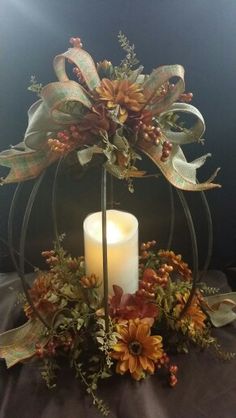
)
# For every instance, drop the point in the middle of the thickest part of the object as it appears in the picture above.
(126, 355)
(132, 363)
(115, 355)
(132, 330)
(143, 362)
(142, 332)
(122, 367)
(137, 374)
(120, 347)
(150, 366)
(149, 321)
(125, 335)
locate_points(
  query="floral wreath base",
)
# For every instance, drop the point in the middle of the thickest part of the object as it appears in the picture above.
(144, 327)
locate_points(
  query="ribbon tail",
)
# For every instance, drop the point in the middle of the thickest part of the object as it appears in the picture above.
(25, 165)
(85, 155)
(220, 308)
(176, 169)
(19, 343)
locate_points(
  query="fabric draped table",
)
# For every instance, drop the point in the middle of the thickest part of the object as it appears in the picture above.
(206, 386)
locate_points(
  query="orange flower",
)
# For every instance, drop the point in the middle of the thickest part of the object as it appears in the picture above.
(124, 94)
(194, 314)
(137, 351)
(38, 293)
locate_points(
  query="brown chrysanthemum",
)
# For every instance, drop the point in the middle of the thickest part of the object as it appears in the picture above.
(124, 94)
(38, 293)
(136, 350)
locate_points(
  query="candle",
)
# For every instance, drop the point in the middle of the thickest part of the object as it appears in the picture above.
(122, 249)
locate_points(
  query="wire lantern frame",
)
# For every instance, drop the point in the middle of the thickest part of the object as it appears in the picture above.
(20, 266)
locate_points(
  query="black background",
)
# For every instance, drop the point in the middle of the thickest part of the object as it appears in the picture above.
(200, 35)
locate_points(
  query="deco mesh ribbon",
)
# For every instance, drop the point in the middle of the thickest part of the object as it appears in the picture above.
(66, 102)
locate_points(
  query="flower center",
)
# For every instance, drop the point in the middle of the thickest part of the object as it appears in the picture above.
(135, 348)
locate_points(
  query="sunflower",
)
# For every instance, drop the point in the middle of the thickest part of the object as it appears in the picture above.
(136, 350)
(122, 95)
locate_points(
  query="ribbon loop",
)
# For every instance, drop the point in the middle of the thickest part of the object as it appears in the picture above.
(189, 135)
(156, 103)
(56, 95)
(83, 61)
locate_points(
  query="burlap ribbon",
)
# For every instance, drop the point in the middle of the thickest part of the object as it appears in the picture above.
(221, 308)
(63, 103)
(19, 344)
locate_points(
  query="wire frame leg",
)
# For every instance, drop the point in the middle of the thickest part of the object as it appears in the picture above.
(194, 248)
(104, 245)
(20, 268)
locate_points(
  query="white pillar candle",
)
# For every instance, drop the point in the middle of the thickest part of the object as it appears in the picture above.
(122, 249)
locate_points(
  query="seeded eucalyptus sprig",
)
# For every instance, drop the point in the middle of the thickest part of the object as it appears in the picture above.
(130, 61)
(35, 86)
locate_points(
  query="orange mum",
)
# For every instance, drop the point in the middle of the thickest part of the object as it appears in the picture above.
(124, 94)
(137, 351)
(194, 314)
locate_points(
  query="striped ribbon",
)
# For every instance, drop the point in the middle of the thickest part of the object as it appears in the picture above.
(53, 113)
(19, 344)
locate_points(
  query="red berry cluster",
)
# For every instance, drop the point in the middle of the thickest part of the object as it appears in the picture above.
(166, 149)
(173, 370)
(76, 42)
(163, 361)
(66, 140)
(186, 97)
(152, 278)
(52, 347)
(145, 247)
(150, 133)
(79, 75)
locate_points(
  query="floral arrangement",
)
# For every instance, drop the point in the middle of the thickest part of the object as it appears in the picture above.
(144, 328)
(111, 115)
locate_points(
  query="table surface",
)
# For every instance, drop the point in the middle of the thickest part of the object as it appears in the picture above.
(206, 386)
